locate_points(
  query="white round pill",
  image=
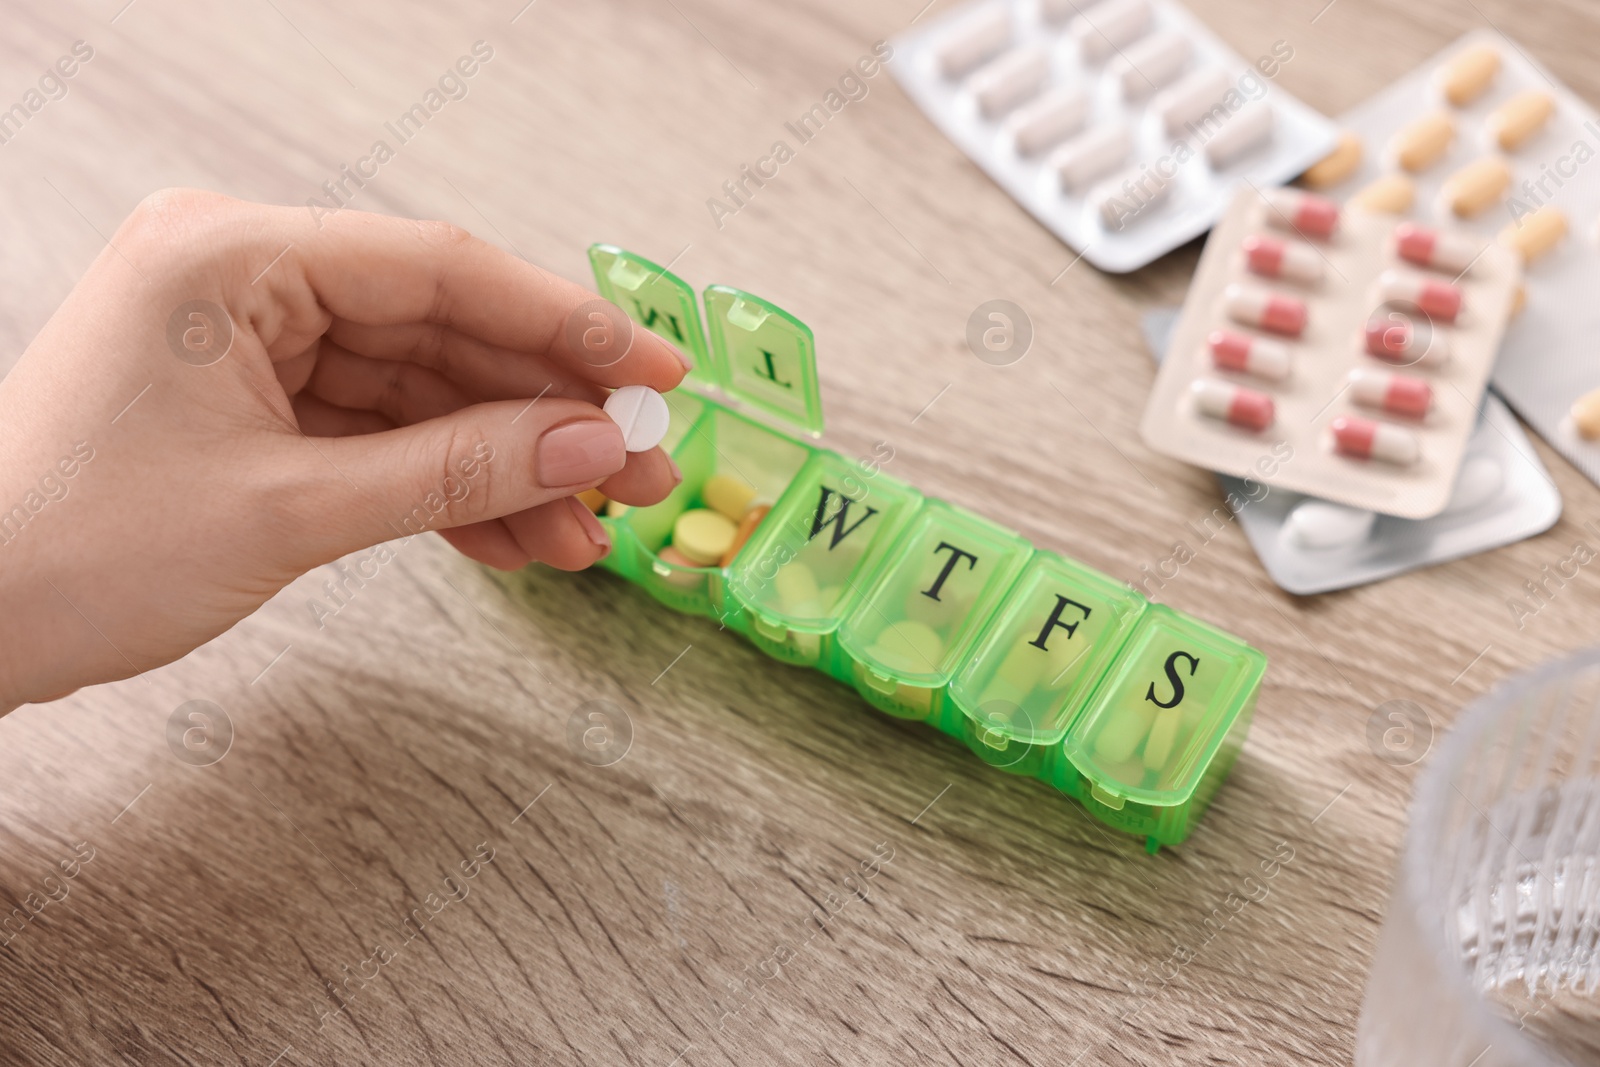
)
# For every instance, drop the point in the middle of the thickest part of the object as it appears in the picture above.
(641, 413)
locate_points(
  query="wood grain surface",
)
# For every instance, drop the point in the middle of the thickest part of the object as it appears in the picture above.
(403, 857)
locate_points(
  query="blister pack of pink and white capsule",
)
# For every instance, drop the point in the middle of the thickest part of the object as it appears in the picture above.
(1122, 125)
(1503, 494)
(1484, 138)
(1358, 344)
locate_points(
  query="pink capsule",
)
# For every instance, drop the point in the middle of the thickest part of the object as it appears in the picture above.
(1453, 252)
(1266, 310)
(1365, 439)
(1249, 355)
(1398, 394)
(1277, 258)
(1313, 216)
(1437, 300)
(1234, 404)
(1395, 340)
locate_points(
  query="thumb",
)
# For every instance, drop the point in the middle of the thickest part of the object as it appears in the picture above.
(480, 462)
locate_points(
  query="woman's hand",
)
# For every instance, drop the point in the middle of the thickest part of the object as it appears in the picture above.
(234, 394)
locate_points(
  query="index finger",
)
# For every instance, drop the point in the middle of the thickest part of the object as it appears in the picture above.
(378, 270)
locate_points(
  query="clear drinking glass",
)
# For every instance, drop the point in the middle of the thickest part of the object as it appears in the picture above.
(1490, 952)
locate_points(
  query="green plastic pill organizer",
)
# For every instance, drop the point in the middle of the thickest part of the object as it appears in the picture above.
(1040, 665)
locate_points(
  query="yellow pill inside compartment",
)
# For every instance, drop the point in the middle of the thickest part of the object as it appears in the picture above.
(1121, 734)
(702, 535)
(727, 495)
(797, 587)
(1163, 732)
(908, 645)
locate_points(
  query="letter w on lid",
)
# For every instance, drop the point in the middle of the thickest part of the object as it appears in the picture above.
(836, 520)
(840, 517)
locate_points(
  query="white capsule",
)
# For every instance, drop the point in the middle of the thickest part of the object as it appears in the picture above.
(641, 414)
(1190, 97)
(1092, 154)
(1059, 113)
(1008, 81)
(1243, 131)
(974, 40)
(1145, 67)
(1106, 27)
(1128, 198)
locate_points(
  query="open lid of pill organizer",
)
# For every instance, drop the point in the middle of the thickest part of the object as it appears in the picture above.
(754, 351)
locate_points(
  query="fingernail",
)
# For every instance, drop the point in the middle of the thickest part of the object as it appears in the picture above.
(591, 526)
(583, 451)
(682, 356)
(677, 475)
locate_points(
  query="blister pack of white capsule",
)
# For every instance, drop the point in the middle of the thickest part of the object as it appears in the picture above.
(1122, 125)
(1503, 494)
(1483, 138)
(1318, 336)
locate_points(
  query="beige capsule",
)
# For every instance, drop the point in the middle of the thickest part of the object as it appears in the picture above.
(1586, 415)
(1476, 186)
(1337, 165)
(1519, 300)
(1537, 234)
(1391, 194)
(1419, 144)
(1466, 76)
(1515, 121)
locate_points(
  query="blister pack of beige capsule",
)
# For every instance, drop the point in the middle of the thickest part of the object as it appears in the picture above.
(1122, 125)
(1327, 352)
(1483, 138)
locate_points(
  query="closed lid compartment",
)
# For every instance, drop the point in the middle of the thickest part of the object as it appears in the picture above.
(935, 588)
(1163, 711)
(1037, 661)
(803, 567)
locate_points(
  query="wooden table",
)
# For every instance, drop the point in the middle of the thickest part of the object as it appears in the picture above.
(664, 908)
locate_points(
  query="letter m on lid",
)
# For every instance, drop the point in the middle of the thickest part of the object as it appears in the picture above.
(656, 299)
